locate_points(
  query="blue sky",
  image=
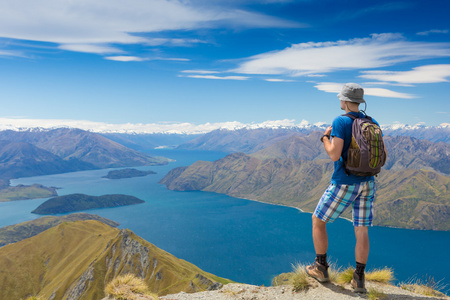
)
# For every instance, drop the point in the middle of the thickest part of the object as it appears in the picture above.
(198, 62)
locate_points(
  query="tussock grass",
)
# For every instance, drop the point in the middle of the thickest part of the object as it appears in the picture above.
(300, 278)
(385, 275)
(127, 287)
(427, 287)
(379, 275)
(345, 276)
(374, 294)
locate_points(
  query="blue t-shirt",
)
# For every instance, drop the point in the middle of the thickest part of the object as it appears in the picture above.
(342, 128)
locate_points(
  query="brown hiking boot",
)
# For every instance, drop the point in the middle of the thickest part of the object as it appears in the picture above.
(318, 272)
(358, 283)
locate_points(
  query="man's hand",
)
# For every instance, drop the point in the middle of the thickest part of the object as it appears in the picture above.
(328, 131)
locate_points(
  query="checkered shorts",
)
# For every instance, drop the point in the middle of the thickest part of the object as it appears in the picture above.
(339, 196)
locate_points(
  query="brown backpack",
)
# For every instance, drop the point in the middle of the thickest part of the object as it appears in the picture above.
(366, 154)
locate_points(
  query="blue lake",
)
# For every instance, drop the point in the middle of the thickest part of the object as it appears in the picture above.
(242, 240)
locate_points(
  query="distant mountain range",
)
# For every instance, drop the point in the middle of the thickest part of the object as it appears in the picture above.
(75, 260)
(252, 140)
(31, 153)
(295, 171)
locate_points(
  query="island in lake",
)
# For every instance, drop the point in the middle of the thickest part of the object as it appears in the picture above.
(127, 173)
(78, 202)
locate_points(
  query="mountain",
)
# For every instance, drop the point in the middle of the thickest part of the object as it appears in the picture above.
(87, 147)
(78, 202)
(22, 159)
(241, 140)
(251, 140)
(75, 260)
(19, 232)
(292, 172)
(433, 134)
(144, 142)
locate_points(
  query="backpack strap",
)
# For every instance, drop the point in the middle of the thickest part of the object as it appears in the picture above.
(354, 117)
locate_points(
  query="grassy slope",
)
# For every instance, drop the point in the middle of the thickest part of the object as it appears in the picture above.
(53, 261)
(25, 192)
(18, 232)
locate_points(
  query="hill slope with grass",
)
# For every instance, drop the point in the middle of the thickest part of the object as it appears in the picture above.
(75, 261)
(15, 233)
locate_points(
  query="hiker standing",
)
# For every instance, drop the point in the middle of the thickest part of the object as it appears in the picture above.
(345, 189)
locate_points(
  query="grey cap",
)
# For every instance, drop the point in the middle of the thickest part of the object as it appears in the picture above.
(352, 92)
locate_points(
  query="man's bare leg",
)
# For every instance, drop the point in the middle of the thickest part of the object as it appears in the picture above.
(362, 244)
(320, 236)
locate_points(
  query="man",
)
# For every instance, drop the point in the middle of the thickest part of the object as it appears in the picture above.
(344, 190)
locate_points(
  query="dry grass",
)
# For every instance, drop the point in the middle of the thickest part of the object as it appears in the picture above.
(127, 287)
(300, 278)
(385, 275)
(374, 294)
(345, 276)
(428, 287)
(379, 275)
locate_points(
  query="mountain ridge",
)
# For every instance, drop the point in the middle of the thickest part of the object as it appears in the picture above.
(75, 260)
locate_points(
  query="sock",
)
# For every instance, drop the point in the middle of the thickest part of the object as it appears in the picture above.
(322, 259)
(360, 269)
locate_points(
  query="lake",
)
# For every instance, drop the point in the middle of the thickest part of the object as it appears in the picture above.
(245, 241)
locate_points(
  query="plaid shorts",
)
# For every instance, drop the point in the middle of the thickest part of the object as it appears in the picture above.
(339, 196)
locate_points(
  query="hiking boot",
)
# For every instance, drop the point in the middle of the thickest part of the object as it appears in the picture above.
(358, 283)
(318, 272)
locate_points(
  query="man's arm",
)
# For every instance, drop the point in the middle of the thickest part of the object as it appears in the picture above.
(333, 147)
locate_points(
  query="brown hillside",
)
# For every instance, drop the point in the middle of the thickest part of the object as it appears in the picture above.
(75, 260)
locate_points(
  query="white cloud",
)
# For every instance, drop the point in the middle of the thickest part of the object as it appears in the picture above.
(380, 92)
(278, 80)
(423, 74)
(90, 48)
(379, 50)
(200, 71)
(428, 32)
(125, 58)
(76, 24)
(218, 77)
(333, 87)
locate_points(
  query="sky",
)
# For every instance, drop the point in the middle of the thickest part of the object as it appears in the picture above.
(194, 64)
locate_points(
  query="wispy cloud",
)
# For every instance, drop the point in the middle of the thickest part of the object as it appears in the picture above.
(125, 58)
(423, 74)
(278, 80)
(101, 26)
(333, 87)
(379, 50)
(90, 48)
(218, 77)
(433, 31)
(200, 71)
